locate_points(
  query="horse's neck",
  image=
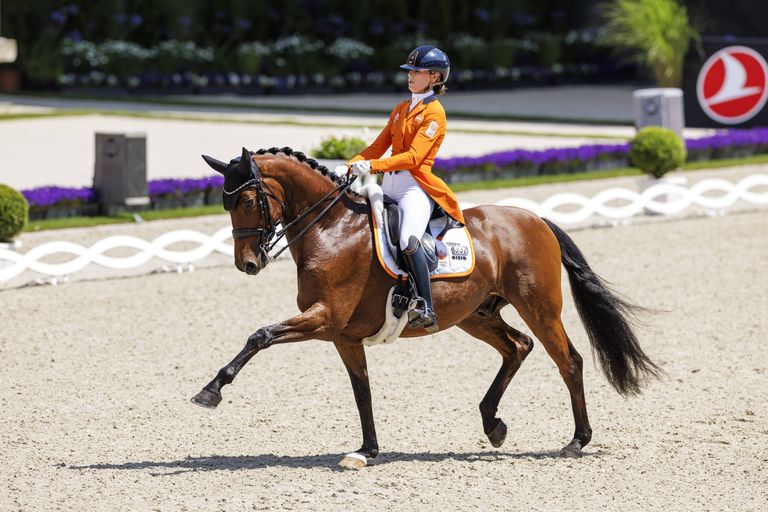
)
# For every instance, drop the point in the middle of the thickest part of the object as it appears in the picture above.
(343, 224)
(302, 191)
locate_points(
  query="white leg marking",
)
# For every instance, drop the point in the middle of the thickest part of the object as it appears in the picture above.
(353, 460)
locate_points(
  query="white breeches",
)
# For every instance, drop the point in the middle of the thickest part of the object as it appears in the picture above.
(415, 204)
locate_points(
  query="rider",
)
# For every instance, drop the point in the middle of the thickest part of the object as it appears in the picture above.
(415, 130)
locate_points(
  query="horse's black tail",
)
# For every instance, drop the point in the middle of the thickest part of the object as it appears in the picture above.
(606, 318)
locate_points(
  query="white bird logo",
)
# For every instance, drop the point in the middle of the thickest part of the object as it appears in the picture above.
(736, 92)
(734, 83)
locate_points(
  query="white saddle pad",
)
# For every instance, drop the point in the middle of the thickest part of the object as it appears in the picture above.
(455, 253)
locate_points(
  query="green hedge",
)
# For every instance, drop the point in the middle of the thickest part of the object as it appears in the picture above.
(339, 148)
(656, 151)
(299, 38)
(14, 212)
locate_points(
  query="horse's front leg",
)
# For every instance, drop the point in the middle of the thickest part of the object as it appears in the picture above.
(311, 324)
(353, 356)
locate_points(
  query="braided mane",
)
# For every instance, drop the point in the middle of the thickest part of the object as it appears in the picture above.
(311, 162)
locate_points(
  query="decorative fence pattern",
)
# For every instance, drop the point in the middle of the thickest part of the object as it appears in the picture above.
(84, 256)
(662, 198)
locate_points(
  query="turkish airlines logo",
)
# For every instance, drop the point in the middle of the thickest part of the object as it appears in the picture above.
(733, 85)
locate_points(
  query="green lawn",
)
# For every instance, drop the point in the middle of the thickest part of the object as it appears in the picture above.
(76, 222)
(82, 222)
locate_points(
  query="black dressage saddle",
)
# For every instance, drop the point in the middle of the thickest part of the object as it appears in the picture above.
(392, 223)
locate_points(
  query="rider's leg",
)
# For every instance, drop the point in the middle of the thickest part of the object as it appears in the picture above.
(417, 206)
(423, 315)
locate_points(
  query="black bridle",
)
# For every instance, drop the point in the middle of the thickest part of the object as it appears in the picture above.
(269, 232)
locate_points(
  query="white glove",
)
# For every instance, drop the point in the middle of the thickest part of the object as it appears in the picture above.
(341, 170)
(361, 168)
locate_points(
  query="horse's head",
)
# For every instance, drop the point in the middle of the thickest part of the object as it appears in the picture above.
(254, 207)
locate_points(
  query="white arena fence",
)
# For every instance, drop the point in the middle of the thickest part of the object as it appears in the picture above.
(661, 198)
(664, 198)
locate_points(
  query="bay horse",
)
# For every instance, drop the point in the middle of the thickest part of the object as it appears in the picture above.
(342, 288)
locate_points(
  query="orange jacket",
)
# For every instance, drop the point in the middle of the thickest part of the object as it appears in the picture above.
(415, 138)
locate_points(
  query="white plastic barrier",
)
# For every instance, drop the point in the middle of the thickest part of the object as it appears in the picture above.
(677, 199)
(84, 256)
(14, 263)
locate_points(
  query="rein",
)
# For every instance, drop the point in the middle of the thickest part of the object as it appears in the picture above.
(267, 233)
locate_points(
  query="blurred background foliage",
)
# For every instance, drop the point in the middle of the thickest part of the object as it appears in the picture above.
(654, 33)
(267, 46)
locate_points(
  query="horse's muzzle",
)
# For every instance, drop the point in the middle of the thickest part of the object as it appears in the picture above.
(252, 265)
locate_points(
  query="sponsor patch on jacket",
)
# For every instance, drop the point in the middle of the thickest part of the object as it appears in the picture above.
(432, 129)
(397, 116)
(419, 119)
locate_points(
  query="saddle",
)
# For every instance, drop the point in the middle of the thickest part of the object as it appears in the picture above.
(404, 290)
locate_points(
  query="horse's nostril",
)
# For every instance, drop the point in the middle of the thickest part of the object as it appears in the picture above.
(250, 267)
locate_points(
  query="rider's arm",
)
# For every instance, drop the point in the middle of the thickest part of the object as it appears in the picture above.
(432, 132)
(381, 144)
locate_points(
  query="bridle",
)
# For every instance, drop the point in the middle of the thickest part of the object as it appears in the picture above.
(268, 234)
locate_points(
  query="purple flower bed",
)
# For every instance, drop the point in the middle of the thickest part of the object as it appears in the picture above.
(49, 196)
(728, 143)
(156, 189)
(182, 187)
(723, 144)
(547, 161)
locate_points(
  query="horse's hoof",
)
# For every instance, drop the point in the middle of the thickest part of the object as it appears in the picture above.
(498, 435)
(572, 451)
(207, 399)
(353, 460)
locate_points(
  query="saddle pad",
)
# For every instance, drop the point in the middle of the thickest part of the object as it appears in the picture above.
(456, 255)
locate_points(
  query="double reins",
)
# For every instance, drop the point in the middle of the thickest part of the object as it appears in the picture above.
(269, 232)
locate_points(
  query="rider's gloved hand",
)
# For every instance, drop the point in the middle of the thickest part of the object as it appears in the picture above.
(341, 170)
(361, 168)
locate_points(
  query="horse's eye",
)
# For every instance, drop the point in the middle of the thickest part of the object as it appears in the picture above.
(250, 203)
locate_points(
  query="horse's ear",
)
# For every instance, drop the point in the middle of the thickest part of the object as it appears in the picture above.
(216, 165)
(246, 163)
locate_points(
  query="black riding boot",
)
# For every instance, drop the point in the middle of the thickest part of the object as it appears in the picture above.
(423, 315)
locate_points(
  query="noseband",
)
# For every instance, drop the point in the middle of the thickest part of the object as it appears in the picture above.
(269, 230)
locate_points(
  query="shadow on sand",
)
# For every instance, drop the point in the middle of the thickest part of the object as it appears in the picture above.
(327, 461)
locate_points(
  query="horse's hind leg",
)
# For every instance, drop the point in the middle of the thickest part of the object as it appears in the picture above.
(548, 328)
(514, 347)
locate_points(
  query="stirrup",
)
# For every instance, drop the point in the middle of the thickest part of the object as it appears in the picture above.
(422, 317)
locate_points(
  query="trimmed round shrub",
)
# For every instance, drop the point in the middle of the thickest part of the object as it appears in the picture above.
(656, 151)
(14, 210)
(339, 148)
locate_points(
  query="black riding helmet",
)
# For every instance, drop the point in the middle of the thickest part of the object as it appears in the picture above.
(429, 58)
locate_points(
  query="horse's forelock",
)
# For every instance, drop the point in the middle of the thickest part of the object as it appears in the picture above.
(233, 178)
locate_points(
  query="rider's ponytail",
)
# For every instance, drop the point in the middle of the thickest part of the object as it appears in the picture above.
(439, 89)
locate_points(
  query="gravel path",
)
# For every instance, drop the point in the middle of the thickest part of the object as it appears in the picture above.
(97, 376)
